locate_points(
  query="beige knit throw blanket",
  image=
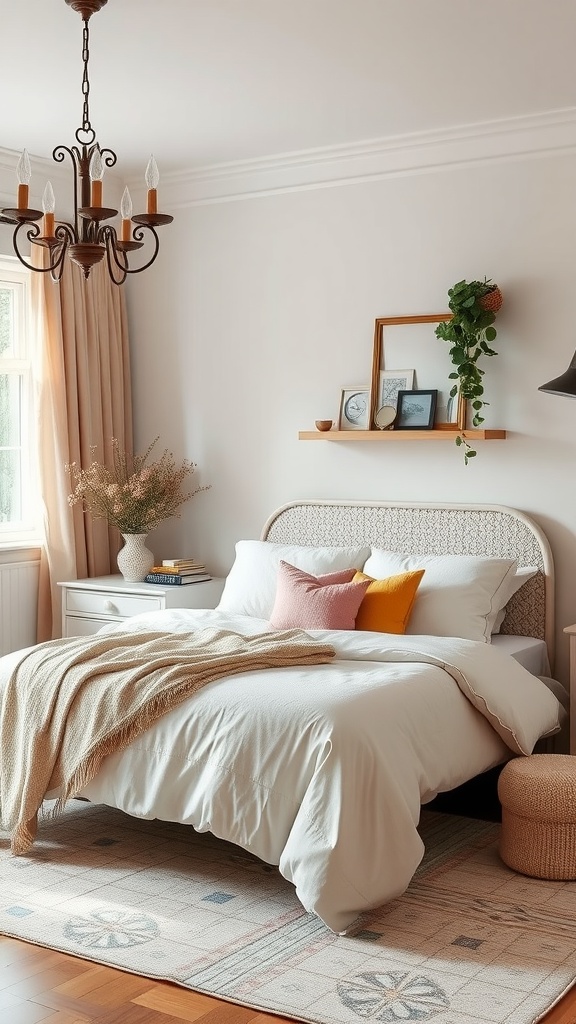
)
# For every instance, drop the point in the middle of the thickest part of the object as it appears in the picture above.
(69, 703)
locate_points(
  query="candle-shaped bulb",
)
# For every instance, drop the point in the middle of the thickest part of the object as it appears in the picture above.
(96, 166)
(48, 205)
(152, 178)
(126, 205)
(96, 171)
(126, 214)
(23, 169)
(48, 199)
(23, 173)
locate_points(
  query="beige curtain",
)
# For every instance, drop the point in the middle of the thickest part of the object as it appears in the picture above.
(83, 399)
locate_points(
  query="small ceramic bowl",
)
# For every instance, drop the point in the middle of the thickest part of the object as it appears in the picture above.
(323, 424)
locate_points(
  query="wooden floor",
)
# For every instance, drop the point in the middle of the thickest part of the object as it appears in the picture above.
(38, 984)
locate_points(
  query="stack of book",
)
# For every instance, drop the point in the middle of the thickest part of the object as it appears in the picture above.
(177, 572)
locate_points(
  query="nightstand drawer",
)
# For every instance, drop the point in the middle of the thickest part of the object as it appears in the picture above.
(93, 602)
(75, 626)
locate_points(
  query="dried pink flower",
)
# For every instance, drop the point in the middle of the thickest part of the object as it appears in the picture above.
(131, 495)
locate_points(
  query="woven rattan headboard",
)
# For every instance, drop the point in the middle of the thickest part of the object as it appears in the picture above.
(436, 529)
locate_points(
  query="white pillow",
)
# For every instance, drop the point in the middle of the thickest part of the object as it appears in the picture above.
(460, 595)
(523, 573)
(250, 587)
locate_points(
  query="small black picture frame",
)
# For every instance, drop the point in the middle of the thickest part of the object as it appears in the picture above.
(416, 410)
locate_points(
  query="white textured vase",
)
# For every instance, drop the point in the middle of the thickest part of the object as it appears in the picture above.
(134, 559)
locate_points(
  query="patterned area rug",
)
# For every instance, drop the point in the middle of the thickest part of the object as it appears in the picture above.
(470, 942)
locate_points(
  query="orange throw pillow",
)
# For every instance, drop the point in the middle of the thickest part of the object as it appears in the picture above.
(387, 603)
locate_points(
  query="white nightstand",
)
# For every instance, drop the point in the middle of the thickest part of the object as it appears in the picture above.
(87, 605)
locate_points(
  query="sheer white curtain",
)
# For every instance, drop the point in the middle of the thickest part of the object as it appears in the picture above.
(83, 400)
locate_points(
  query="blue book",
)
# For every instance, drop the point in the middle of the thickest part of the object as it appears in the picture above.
(172, 580)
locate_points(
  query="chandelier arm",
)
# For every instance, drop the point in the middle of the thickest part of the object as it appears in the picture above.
(139, 236)
(65, 233)
(108, 235)
(109, 157)
(57, 268)
(32, 233)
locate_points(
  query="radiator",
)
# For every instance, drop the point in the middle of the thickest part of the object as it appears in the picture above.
(18, 604)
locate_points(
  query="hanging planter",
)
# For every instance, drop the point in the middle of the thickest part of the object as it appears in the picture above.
(470, 333)
(491, 300)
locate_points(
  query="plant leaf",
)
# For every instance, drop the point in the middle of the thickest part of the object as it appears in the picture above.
(458, 355)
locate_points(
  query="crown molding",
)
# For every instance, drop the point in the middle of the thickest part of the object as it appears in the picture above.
(528, 136)
(372, 159)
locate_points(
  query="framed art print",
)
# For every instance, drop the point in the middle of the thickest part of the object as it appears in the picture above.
(416, 410)
(354, 408)
(390, 382)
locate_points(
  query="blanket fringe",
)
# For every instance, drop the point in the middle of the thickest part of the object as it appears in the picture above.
(23, 836)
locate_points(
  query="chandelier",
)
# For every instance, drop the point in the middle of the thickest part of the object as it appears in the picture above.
(87, 238)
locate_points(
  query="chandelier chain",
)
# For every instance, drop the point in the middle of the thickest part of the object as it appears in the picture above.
(86, 126)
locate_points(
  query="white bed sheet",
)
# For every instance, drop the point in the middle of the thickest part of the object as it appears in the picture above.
(527, 650)
(323, 771)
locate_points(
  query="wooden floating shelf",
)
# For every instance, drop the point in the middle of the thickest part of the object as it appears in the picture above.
(401, 435)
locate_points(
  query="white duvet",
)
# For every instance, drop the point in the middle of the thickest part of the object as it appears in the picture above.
(323, 770)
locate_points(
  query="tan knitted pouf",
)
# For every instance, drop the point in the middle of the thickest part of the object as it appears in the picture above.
(538, 797)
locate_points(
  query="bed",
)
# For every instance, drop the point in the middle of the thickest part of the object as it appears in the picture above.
(323, 770)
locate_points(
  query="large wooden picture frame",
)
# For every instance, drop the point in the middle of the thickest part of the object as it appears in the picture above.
(458, 421)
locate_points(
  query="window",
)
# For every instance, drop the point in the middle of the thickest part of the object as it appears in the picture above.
(17, 476)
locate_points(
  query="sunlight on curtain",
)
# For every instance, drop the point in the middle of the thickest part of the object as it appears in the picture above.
(83, 399)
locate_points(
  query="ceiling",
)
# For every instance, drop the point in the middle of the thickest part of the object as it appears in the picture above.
(201, 82)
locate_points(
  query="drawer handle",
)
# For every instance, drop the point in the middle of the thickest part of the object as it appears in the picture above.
(109, 606)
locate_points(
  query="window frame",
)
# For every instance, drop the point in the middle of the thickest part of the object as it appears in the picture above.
(24, 532)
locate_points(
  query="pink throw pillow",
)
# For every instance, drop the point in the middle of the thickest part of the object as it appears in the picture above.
(316, 602)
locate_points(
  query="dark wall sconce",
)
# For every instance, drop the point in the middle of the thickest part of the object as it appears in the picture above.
(565, 384)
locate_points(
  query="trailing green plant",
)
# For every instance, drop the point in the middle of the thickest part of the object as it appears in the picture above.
(470, 333)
